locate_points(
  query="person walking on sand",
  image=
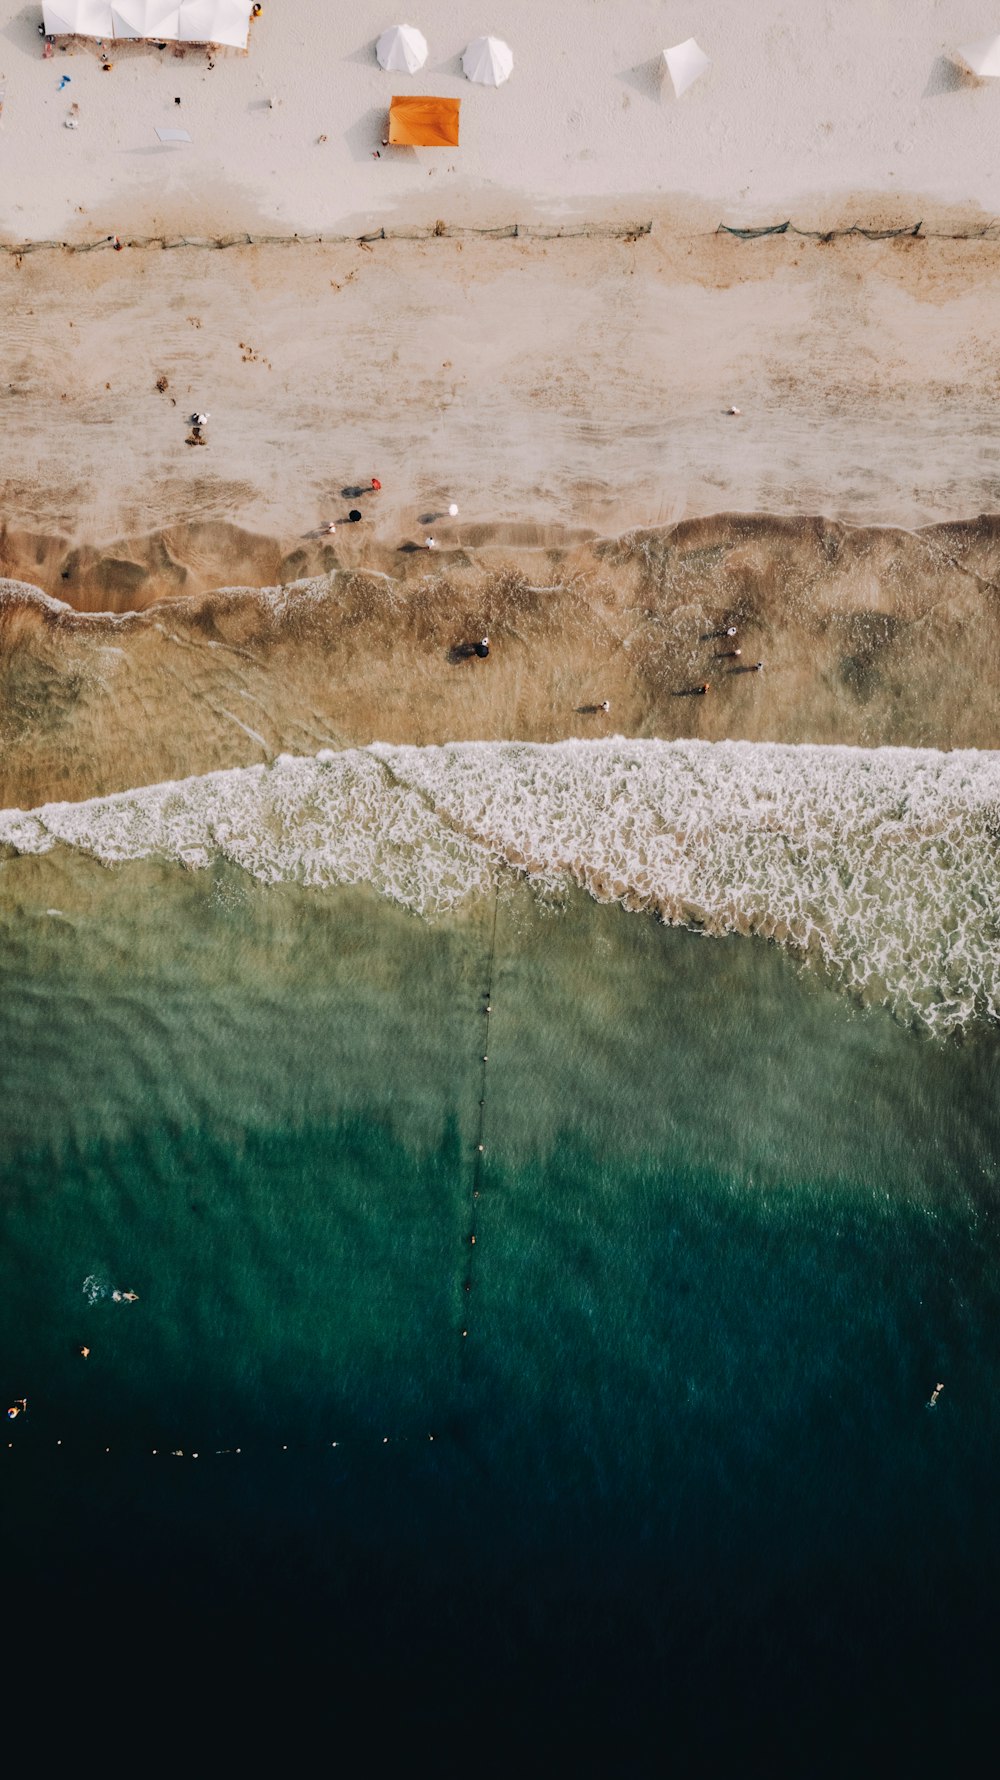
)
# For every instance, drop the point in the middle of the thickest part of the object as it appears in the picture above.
(482, 648)
(430, 543)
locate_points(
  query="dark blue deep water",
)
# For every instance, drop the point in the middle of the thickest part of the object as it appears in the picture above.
(673, 1501)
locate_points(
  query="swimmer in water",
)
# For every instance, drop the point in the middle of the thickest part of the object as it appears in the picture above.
(18, 1408)
(935, 1394)
(131, 1297)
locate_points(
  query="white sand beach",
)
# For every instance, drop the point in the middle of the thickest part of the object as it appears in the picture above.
(562, 392)
(818, 109)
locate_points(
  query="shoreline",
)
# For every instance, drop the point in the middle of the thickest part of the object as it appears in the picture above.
(852, 626)
(181, 563)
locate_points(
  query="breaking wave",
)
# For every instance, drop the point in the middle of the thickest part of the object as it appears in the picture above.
(881, 864)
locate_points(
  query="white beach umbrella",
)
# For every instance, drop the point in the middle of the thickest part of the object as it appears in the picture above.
(983, 57)
(146, 18)
(402, 49)
(487, 60)
(686, 63)
(78, 18)
(215, 21)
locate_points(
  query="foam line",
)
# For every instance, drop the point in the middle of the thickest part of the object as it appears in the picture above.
(880, 863)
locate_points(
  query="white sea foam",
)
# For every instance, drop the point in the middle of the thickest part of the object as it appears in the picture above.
(880, 863)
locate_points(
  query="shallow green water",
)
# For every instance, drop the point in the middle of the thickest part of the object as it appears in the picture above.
(730, 1232)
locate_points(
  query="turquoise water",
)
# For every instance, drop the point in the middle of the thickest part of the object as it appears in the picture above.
(649, 1463)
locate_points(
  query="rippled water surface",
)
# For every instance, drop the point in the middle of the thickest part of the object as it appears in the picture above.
(646, 1462)
(880, 864)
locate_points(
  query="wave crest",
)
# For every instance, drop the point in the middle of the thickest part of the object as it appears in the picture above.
(881, 863)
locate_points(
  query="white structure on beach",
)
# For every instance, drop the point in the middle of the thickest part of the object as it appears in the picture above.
(164, 21)
(402, 49)
(488, 60)
(983, 57)
(686, 63)
(78, 18)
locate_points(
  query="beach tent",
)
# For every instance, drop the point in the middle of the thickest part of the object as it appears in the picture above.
(78, 18)
(186, 21)
(423, 122)
(146, 18)
(983, 57)
(487, 60)
(215, 21)
(402, 50)
(686, 63)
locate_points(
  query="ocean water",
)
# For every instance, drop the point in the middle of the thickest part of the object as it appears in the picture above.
(646, 1474)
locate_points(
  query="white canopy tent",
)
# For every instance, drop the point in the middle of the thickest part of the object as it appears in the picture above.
(402, 49)
(686, 63)
(215, 21)
(147, 18)
(78, 18)
(488, 60)
(983, 57)
(168, 21)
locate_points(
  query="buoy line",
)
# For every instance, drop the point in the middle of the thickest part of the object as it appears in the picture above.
(480, 1146)
(95, 1449)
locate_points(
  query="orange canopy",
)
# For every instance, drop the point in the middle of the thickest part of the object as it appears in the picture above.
(423, 122)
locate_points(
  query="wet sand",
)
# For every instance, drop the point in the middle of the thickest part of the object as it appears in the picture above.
(868, 636)
(577, 384)
(571, 397)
